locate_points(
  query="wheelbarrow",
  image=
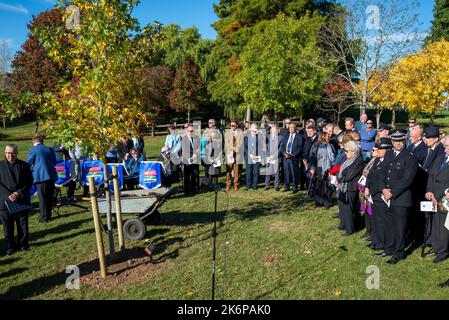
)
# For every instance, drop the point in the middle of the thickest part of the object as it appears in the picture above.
(145, 203)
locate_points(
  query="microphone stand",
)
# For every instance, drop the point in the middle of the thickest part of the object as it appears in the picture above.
(214, 235)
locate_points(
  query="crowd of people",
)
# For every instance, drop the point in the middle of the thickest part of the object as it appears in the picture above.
(378, 178)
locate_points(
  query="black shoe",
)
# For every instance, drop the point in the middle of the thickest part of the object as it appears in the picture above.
(295, 191)
(444, 284)
(394, 261)
(255, 188)
(278, 189)
(382, 254)
(267, 188)
(286, 190)
(439, 260)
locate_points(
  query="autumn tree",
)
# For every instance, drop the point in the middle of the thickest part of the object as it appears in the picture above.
(102, 101)
(337, 97)
(189, 89)
(156, 84)
(33, 71)
(420, 82)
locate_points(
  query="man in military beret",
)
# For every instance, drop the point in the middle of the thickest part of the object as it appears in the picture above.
(400, 171)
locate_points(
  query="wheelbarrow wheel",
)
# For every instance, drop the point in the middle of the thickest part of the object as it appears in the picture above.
(134, 229)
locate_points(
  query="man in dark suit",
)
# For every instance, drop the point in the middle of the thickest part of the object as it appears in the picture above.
(291, 149)
(437, 189)
(418, 149)
(191, 146)
(310, 138)
(399, 175)
(16, 180)
(435, 150)
(254, 152)
(42, 160)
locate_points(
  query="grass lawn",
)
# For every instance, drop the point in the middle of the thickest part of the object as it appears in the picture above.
(268, 247)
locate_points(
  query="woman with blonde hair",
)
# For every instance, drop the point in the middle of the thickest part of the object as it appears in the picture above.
(347, 188)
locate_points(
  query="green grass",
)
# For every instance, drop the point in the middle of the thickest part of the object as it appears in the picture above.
(268, 247)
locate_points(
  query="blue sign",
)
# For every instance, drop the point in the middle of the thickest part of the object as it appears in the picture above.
(94, 169)
(63, 172)
(150, 175)
(120, 175)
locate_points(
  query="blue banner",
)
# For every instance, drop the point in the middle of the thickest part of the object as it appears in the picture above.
(95, 169)
(150, 175)
(120, 175)
(63, 172)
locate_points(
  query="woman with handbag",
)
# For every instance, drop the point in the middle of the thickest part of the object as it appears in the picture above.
(347, 188)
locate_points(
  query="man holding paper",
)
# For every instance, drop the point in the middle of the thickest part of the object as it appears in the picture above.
(274, 156)
(234, 155)
(291, 149)
(254, 151)
(399, 176)
(437, 192)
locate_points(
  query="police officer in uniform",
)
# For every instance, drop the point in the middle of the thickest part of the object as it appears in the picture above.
(400, 171)
(374, 185)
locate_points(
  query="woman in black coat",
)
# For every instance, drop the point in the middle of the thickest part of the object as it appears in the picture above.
(347, 188)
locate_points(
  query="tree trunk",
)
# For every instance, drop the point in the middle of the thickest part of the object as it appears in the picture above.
(4, 123)
(188, 116)
(37, 127)
(393, 118)
(107, 193)
(378, 115)
(248, 116)
(432, 117)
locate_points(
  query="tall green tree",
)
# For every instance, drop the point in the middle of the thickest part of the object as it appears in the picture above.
(283, 68)
(237, 24)
(440, 24)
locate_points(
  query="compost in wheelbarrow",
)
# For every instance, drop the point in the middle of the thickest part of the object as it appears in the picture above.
(145, 203)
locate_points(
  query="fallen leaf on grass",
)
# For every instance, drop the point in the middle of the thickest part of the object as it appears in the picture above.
(189, 293)
(308, 253)
(338, 293)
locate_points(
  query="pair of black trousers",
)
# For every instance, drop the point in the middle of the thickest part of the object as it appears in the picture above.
(45, 192)
(21, 220)
(378, 225)
(350, 212)
(440, 236)
(191, 178)
(291, 168)
(395, 230)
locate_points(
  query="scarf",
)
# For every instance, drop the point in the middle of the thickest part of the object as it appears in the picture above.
(325, 157)
(347, 164)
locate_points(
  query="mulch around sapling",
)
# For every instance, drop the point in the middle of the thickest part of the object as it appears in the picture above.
(128, 267)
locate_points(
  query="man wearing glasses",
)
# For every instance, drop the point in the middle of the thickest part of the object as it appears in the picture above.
(233, 154)
(16, 180)
(191, 146)
(368, 137)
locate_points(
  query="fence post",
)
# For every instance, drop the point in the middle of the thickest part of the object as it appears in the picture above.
(98, 234)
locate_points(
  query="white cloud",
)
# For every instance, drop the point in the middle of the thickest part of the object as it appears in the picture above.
(8, 7)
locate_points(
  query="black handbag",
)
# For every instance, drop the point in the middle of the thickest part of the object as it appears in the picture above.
(342, 192)
(18, 207)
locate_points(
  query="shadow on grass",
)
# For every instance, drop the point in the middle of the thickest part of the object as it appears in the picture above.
(58, 229)
(58, 239)
(12, 272)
